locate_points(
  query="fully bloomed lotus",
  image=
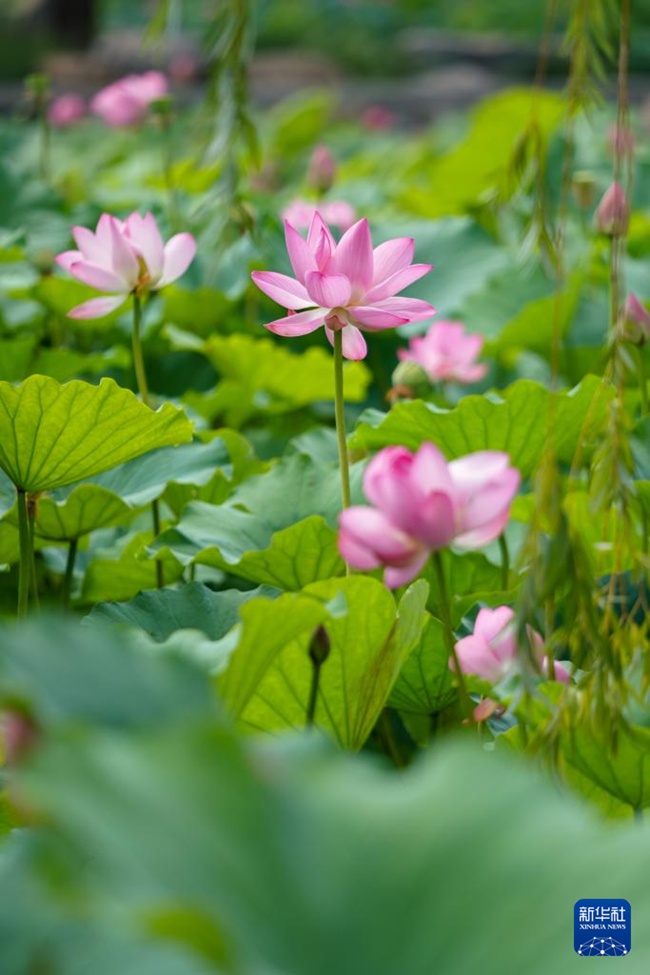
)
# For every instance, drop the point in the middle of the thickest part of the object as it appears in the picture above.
(422, 504)
(491, 650)
(126, 102)
(123, 258)
(447, 353)
(347, 287)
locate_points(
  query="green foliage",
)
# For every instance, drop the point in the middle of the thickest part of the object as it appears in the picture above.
(53, 435)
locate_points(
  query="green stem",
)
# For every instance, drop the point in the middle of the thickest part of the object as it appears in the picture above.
(138, 360)
(340, 417)
(31, 517)
(505, 561)
(143, 389)
(313, 693)
(445, 613)
(69, 572)
(155, 511)
(387, 739)
(643, 382)
(45, 144)
(25, 567)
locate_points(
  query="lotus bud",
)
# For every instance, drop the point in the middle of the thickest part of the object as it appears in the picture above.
(636, 320)
(411, 378)
(322, 169)
(319, 648)
(613, 213)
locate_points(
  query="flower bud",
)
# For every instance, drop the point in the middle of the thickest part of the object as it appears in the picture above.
(322, 169)
(613, 213)
(636, 320)
(319, 648)
(410, 375)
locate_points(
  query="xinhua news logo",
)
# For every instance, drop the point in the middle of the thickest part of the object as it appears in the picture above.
(602, 927)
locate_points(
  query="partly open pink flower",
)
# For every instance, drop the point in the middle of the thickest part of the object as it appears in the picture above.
(126, 102)
(123, 258)
(66, 110)
(423, 504)
(447, 353)
(300, 213)
(491, 651)
(346, 286)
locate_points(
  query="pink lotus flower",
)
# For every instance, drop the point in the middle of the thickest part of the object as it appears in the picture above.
(67, 110)
(637, 319)
(613, 212)
(491, 651)
(423, 504)
(300, 213)
(346, 286)
(126, 102)
(124, 258)
(446, 353)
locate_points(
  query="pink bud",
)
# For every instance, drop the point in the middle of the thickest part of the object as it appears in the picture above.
(613, 213)
(636, 320)
(322, 169)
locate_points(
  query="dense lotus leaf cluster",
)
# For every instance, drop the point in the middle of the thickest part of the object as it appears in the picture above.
(174, 427)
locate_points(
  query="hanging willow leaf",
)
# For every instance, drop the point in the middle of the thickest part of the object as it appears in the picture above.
(52, 434)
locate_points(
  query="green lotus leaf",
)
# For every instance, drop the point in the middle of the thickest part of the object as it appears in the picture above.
(516, 421)
(52, 434)
(369, 643)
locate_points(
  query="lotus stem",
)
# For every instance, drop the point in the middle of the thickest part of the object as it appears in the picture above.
(31, 517)
(339, 404)
(643, 381)
(505, 561)
(69, 571)
(445, 613)
(138, 360)
(143, 389)
(25, 567)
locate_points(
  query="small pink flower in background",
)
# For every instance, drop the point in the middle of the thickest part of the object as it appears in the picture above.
(378, 117)
(321, 172)
(423, 504)
(126, 102)
(613, 212)
(123, 258)
(491, 651)
(447, 353)
(300, 213)
(67, 110)
(637, 319)
(346, 286)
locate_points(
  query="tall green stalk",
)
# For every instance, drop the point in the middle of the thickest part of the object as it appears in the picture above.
(69, 571)
(339, 410)
(141, 379)
(445, 612)
(25, 566)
